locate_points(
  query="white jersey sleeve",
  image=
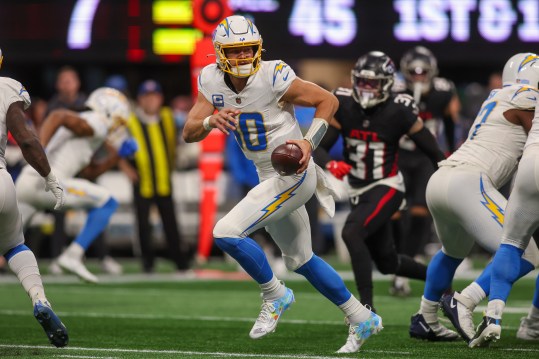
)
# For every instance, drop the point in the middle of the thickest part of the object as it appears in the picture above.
(494, 144)
(10, 91)
(281, 77)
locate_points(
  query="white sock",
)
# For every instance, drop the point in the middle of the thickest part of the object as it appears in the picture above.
(272, 290)
(475, 293)
(355, 311)
(533, 313)
(495, 308)
(24, 265)
(429, 309)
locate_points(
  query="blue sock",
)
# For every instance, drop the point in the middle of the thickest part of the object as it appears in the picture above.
(505, 271)
(536, 294)
(325, 279)
(97, 221)
(484, 279)
(11, 253)
(440, 273)
(249, 255)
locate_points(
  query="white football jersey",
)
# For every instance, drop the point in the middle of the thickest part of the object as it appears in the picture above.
(533, 135)
(264, 121)
(495, 144)
(68, 154)
(10, 91)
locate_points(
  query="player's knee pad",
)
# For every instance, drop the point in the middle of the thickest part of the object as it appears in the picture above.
(225, 228)
(531, 254)
(294, 262)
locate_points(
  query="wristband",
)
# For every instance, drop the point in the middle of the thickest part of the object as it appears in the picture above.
(315, 133)
(206, 124)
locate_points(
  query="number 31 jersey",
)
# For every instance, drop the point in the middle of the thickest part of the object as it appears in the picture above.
(264, 121)
(372, 135)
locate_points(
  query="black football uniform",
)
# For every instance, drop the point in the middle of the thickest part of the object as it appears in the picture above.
(372, 135)
(371, 139)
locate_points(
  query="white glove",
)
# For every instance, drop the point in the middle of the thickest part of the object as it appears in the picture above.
(52, 184)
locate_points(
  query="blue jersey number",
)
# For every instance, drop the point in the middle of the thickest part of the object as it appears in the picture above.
(251, 131)
(485, 111)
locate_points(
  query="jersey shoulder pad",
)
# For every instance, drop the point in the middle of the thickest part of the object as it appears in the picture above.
(12, 91)
(406, 101)
(279, 73)
(343, 91)
(443, 84)
(524, 97)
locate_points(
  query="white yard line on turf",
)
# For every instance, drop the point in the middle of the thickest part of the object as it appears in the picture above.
(182, 352)
(83, 356)
(202, 318)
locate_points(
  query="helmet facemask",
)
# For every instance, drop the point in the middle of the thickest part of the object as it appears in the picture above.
(419, 67)
(372, 78)
(231, 34)
(369, 91)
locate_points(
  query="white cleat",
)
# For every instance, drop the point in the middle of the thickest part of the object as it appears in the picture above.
(528, 330)
(76, 266)
(360, 332)
(487, 332)
(270, 314)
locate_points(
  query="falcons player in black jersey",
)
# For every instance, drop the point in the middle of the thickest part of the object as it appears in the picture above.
(372, 120)
(439, 108)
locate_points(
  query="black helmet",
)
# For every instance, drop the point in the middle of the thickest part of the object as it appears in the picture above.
(372, 78)
(419, 61)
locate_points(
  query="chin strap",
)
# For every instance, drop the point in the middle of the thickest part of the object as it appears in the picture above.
(316, 132)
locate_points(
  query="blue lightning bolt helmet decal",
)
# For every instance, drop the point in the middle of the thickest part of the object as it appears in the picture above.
(277, 202)
(495, 209)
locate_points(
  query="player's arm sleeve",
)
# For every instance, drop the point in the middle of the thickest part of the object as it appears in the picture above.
(426, 142)
(14, 91)
(321, 154)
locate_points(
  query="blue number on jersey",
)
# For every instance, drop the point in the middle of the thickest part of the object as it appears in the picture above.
(487, 109)
(252, 131)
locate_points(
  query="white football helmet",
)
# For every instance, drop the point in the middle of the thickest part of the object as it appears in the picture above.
(237, 31)
(112, 103)
(514, 65)
(528, 73)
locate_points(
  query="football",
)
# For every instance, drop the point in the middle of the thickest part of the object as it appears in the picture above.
(285, 159)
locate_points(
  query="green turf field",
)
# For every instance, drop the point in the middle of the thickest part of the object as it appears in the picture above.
(212, 319)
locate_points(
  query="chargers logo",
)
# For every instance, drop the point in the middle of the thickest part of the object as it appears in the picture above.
(493, 207)
(526, 89)
(279, 68)
(528, 60)
(218, 100)
(277, 202)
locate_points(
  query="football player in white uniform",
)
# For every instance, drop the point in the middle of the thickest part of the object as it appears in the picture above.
(521, 221)
(71, 139)
(467, 207)
(14, 99)
(254, 101)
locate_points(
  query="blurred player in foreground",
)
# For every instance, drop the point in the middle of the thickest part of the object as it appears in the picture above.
(254, 99)
(71, 139)
(15, 99)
